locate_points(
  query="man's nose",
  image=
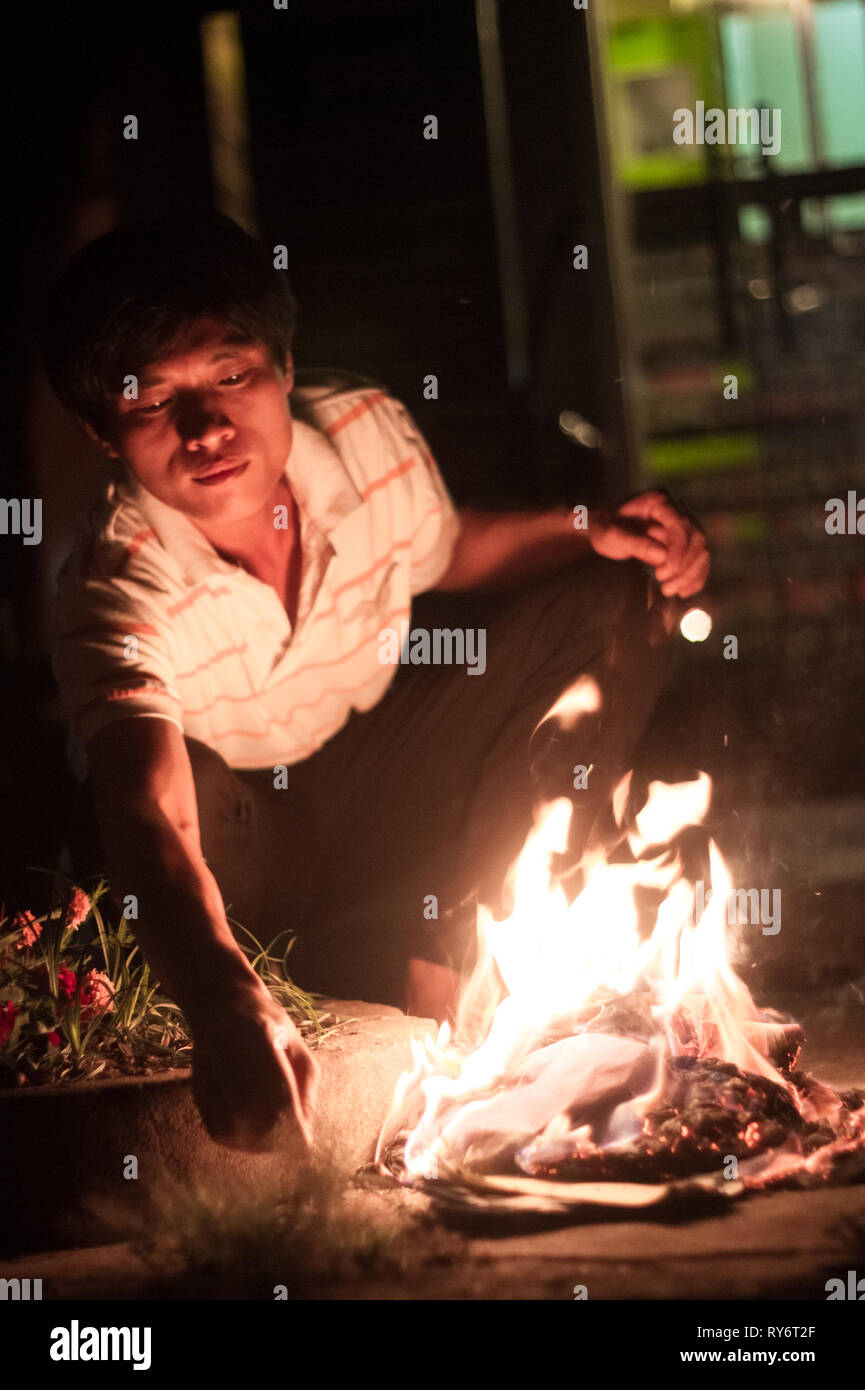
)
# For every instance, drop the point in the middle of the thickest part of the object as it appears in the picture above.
(202, 423)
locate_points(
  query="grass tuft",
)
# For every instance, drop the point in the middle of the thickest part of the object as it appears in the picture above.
(230, 1241)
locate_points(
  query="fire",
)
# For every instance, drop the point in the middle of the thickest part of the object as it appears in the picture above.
(574, 1012)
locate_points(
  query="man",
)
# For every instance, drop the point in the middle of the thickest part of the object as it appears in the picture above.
(225, 650)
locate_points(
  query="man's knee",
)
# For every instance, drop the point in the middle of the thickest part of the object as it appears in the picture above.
(620, 589)
(618, 608)
(620, 602)
(634, 612)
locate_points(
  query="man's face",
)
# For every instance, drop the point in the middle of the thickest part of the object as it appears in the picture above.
(210, 431)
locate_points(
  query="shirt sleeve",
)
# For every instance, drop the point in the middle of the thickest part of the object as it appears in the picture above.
(435, 520)
(111, 652)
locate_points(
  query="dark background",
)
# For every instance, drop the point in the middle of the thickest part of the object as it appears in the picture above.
(405, 264)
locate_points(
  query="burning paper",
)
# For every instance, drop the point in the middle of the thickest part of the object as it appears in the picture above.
(594, 1051)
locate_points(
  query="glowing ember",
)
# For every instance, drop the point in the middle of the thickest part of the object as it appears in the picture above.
(591, 1045)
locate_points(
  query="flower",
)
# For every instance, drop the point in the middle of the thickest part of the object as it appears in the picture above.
(66, 981)
(78, 909)
(7, 1021)
(30, 929)
(97, 995)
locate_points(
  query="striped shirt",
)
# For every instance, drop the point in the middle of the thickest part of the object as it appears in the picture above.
(152, 622)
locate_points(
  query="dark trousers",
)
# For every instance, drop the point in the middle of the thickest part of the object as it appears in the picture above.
(376, 846)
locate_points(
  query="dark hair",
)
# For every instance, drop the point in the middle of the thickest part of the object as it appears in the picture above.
(130, 297)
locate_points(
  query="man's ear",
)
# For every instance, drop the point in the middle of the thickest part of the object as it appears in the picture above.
(289, 373)
(104, 444)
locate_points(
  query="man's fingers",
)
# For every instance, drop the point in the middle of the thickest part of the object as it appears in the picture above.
(691, 579)
(683, 540)
(689, 565)
(643, 548)
(665, 524)
(672, 544)
(300, 1071)
(243, 1097)
(696, 578)
(307, 1071)
(298, 1099)
(652, 505)
(680, 560)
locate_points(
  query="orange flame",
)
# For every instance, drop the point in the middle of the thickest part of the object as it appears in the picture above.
(520, 1047)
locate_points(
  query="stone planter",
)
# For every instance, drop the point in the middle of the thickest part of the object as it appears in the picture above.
(65, 1148)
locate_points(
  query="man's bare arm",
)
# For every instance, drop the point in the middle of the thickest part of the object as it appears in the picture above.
(500, 548)
(496, 549)
(146, 807)
(250, 1065)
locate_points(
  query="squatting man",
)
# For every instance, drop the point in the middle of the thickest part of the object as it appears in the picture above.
(247, 761)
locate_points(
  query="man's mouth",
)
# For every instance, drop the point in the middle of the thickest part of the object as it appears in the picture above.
(221, 473)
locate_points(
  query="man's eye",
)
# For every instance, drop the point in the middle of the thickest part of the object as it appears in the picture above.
(151, 408)
(235, 379)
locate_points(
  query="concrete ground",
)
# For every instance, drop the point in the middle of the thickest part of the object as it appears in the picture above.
(762, 1246)
(776, 1246)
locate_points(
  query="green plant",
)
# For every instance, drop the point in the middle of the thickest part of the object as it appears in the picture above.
(76, 996)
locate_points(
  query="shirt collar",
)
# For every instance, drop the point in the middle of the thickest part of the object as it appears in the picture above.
(319, 482)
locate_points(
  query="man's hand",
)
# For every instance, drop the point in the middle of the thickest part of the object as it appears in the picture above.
(250, 1070)
(648, 528)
